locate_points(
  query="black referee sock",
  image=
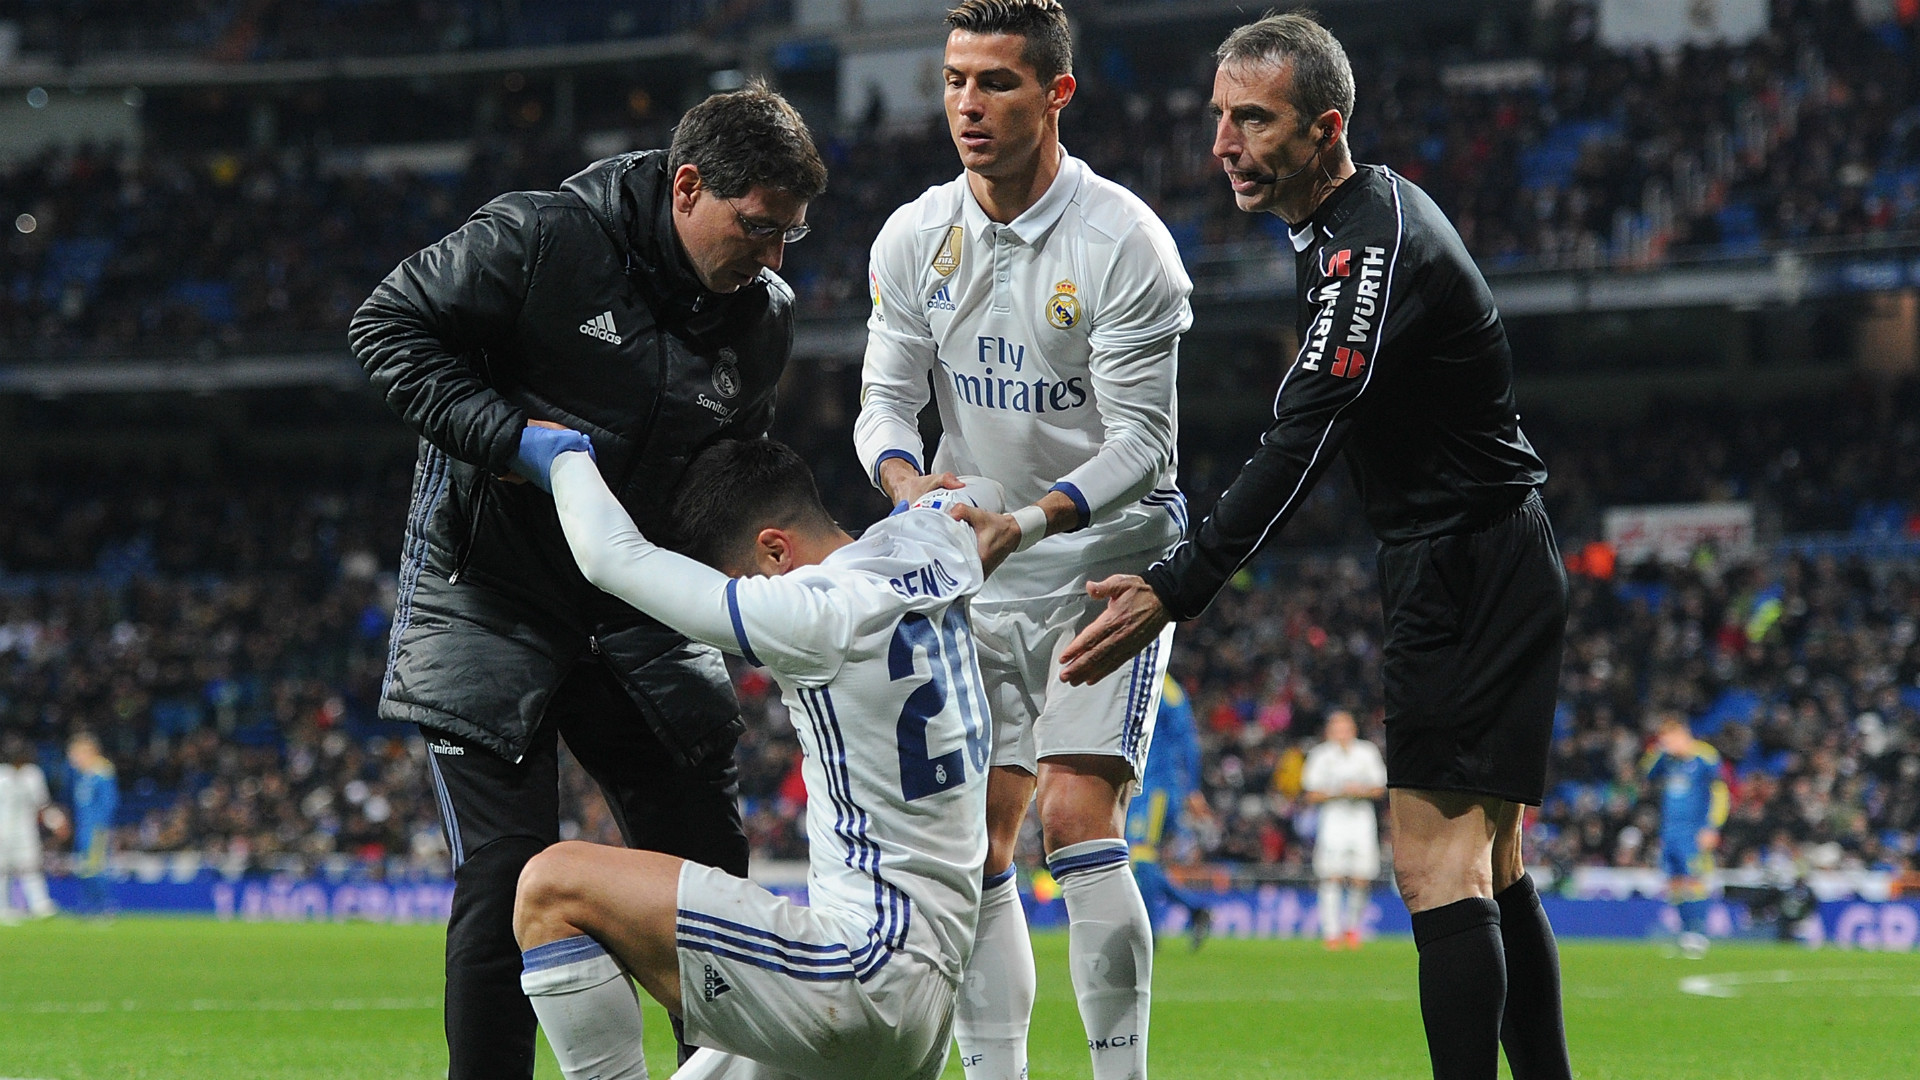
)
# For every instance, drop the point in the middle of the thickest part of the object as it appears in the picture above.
(1463, 987)
(1532, 1030)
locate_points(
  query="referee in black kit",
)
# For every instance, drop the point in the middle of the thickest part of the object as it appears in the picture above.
(1405, 366)
(637, 304)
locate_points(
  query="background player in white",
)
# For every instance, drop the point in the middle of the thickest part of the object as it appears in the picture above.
(870, 644)
(1344, 776)
(1047, 304)
(23, 797)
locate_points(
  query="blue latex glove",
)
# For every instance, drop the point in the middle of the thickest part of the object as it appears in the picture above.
(539, 446)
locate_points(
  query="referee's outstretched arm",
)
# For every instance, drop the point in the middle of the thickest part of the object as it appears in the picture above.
(1345, 363)
(1340, 369)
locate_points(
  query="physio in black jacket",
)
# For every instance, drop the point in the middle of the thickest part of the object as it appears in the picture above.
(1404, 366)
(637, 304)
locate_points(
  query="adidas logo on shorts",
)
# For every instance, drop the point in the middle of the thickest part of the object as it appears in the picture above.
(715, 985)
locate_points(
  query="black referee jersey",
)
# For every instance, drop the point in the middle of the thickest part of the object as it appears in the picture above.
(1403, 363)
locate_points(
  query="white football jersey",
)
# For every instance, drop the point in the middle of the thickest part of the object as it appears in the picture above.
(1328, 769)
(1053, 344)
(875, 660)
(23, 794)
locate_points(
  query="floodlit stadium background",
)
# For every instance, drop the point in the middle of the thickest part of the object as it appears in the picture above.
(1701, 219)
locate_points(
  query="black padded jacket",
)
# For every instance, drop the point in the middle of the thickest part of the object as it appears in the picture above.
(575, 306)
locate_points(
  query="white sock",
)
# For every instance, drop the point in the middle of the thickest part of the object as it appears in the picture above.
(587, 1008)
(34, 885)
(1110, 950)
(1357, 897)
(991, 1018)
(1329, 909)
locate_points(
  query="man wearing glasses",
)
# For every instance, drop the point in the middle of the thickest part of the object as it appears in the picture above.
(637, 304)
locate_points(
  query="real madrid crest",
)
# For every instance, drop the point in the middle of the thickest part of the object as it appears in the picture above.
(1063, 311)
(947, 259)
(726, 373)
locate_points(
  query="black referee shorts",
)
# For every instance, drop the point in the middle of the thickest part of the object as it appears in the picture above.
(1475, 624)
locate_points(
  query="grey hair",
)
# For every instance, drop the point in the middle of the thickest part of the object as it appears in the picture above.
(1322, 78)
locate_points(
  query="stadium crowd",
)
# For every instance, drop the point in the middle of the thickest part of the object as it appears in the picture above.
(1594, 157)
(1585, 157)
(78, 30)
(227, 636)
(237, 711)
(1801, 671)
(172, 253)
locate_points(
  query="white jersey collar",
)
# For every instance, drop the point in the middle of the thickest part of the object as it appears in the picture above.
(1033, 224)
(1302, 237)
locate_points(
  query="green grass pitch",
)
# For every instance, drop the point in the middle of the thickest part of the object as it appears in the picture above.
(144, 997)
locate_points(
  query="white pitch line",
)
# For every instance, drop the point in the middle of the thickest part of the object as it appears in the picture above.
(1278, 993)
(1729, 984)
(381, 1004)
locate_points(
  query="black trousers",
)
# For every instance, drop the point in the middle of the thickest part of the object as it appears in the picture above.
(499, 814)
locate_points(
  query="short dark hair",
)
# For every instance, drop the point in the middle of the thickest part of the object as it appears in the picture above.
(1322, 78)
(733, 489)
(1043, 23)
(748, 137)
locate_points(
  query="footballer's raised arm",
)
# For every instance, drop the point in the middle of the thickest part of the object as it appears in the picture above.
(773, 621)
(688, 596)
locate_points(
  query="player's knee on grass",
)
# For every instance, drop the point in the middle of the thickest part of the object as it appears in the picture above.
(1082, 798)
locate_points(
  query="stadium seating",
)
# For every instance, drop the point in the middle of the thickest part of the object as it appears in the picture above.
(226, 632)
(1604, 159)
(228, 635)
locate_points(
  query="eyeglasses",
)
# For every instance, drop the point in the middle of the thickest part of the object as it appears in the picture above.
(761, 230)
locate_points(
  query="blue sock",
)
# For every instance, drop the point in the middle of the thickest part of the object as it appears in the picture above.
(1693, 916)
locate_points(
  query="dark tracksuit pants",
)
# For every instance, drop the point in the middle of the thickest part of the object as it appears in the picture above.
(499, 814)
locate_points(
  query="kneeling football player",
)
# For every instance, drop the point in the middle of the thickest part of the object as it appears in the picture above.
(870, 643)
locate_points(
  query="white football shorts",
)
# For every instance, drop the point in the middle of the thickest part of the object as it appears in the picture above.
(796, 991)
(1037, 716)
(1346, 853)
(20, 854)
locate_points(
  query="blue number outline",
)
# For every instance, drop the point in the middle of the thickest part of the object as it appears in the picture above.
(948, 648)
